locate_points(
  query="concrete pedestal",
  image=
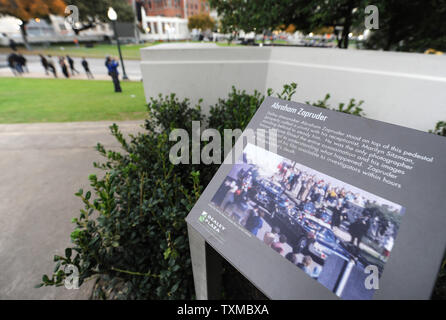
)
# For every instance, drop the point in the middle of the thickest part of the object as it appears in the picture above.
(206, 267)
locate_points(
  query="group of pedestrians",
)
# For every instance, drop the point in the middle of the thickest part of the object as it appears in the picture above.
(308, 186)
(66, 64)
(17, 63)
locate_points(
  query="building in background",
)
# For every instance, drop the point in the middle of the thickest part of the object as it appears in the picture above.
(172, 8)
(163, 20)
(167, 19)
(163, 28)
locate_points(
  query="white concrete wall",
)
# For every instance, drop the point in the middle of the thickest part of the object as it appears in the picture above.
(401, 88)
(408, 89)
(202, 70)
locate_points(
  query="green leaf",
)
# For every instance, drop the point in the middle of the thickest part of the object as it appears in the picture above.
(175, 287)
(56, 267)
(167, 253)
(68, 253)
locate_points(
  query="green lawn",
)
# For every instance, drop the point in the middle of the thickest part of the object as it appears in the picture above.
(129, 51)
(53, 100)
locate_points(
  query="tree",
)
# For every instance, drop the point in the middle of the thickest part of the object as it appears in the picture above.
(31, 9)
(305, 15)
(340, 15)
(415, 25)
(264, 16)
(230, 13)
(201, 21)
(258, 16)
(93, 12)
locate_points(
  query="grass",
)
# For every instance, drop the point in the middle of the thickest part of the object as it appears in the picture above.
(54, 100)
(226, 44)
(277, 41)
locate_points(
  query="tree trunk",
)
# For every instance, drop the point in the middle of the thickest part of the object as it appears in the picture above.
(339, 39)
(24, 35)
(390, 36)
(344, 40)
(347, 24)
(388, 42)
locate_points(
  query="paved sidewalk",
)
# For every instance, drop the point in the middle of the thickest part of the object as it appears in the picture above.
(42, 166)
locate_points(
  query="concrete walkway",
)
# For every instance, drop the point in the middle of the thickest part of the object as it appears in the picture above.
(42, 166)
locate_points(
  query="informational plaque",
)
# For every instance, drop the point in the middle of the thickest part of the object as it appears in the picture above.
(318, 204)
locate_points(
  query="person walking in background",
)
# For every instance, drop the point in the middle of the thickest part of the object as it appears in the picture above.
(87, 68)
(44, 63)
(71, 63)
(22, 62)
(64, 67)
(18, 64)
(51, 66)
(12, 45)
(12, 63)
(107, 61)
(113, 72)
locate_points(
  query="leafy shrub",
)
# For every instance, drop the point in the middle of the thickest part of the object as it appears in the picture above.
(352, 107)
(440, 128)
(236, 111)
(131, 234)
(168, 113)
(239, 107)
